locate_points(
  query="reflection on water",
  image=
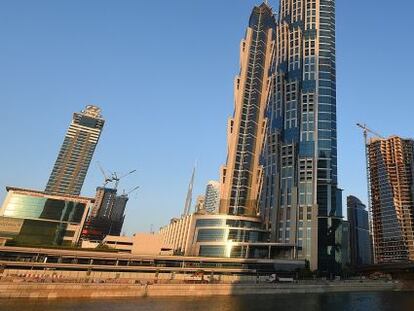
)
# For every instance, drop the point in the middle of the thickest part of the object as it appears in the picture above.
(388, 301)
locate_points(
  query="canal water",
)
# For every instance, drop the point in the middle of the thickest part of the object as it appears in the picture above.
(381, 301)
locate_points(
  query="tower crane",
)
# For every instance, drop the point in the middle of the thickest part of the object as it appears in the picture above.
(117, 178)
(130, 191)
(367, 130)
(113, 176)
(107, 179)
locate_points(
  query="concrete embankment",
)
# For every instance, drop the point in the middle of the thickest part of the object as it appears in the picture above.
(75, 290)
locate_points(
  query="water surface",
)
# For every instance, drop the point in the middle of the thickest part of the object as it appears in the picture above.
(376, 301)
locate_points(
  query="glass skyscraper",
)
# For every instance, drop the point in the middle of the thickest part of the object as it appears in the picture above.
(76, 153)
(360, 238)
(300, 201)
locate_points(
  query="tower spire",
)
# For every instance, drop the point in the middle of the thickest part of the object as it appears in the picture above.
(189, 197)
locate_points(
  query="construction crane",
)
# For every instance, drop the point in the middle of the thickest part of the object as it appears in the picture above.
(130, 191)
(107, 179)
(116, 178)
(367, 130)
(113, 176)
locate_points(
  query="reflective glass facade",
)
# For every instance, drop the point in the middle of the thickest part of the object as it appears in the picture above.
(221, 235)
(230, 237)
(360, 239)
(33, 218)
(25, 206)
(36, 232)
(300, 200)
(212, 251)
(236, 223)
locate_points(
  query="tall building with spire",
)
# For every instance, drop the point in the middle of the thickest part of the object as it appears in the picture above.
(189, 197)
(242, 175)
(300, 201)
(76, 153)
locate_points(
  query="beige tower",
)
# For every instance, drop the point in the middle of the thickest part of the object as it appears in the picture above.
(391, 171)
(241, 177)
(76, 153)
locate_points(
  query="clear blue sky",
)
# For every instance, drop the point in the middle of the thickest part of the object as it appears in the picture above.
(163, 71)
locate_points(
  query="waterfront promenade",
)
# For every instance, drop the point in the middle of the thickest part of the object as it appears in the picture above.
(119, 290)
(50, 273)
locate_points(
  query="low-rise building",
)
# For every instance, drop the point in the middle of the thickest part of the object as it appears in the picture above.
(120, 243)
(34, 218)
(145, 244)
(221, 235)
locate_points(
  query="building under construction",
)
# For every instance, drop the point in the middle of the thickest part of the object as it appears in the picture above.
(392, 198)
(107, 215)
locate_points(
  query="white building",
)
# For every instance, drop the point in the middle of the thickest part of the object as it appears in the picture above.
(212, 197)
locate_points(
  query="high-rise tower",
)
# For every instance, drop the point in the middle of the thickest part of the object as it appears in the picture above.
(391, 171)
(212, 196)
(76, 152)
(300, 201)
(360, 239)
(242, 175)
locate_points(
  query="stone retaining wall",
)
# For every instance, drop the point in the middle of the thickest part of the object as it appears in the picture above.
(40, 290)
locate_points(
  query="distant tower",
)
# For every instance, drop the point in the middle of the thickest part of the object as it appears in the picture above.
(391, 171)
(200, 204)
(241, 177)
(360, 240)
(189, 198)
(76, 152)
(212, 201)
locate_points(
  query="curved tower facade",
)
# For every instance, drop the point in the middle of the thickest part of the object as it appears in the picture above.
(242, 175)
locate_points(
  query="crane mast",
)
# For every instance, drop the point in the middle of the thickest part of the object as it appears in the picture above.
(367, 130)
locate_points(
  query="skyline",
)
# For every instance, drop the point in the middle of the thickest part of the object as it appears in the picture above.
(118, 132)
